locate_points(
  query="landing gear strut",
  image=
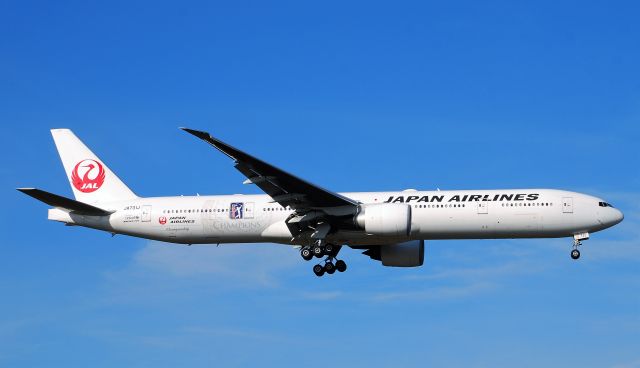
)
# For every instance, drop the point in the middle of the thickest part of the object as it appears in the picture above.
(577, 241)
(330, 250)
(321, 248)
(331, 264)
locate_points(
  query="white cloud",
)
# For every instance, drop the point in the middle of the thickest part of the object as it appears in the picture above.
(245, 334)
(162, 271)
(510, 268)
(632, 364)
(255, 262)
(186, 337)
(323, 296)
(435, 293)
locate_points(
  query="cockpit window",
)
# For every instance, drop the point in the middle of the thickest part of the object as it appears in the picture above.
(605, 204)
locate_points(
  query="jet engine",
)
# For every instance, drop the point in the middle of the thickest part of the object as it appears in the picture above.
(385, 219)
(408, 254)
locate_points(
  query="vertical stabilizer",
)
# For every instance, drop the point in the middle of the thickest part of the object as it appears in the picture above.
(91, 180)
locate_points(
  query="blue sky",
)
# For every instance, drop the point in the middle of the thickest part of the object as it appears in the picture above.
(353, 96)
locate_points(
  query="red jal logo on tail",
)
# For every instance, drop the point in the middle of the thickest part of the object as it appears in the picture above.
(87, 176)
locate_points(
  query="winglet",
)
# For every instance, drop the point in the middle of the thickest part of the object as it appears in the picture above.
(198, 133)
(228, 150)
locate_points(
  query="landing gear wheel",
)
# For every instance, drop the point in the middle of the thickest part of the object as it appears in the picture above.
(329, 249)
(341, 266)
(317, 251)
(318, 270)
(329, 268)
(575, 254)
(306, 253)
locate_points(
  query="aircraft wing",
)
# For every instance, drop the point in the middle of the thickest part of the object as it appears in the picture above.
(284, 188)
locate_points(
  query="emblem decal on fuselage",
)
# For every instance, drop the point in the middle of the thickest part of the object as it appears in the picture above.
(237, 211)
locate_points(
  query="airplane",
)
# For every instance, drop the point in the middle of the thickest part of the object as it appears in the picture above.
(389, 227)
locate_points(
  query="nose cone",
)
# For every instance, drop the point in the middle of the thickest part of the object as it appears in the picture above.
(618, 217)
(613, 217)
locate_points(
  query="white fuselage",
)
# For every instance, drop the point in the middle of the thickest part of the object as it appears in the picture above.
(468, 214)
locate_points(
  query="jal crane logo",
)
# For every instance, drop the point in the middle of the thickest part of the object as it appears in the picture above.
(88, 176)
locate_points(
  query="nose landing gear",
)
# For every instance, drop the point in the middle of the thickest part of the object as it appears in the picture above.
(577, 241)
(575, 254)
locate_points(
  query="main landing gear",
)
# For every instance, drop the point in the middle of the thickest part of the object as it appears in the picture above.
(577, 241)
(330, 251)
(329, 267)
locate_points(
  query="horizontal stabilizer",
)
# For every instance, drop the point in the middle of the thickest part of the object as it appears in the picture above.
(65, 203)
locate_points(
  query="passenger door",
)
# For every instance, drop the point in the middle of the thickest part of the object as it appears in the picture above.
(146, 214)
(567, 205)
(483, 208)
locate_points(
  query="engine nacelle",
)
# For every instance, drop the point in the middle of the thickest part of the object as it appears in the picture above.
(409, 254)
(386, 219)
